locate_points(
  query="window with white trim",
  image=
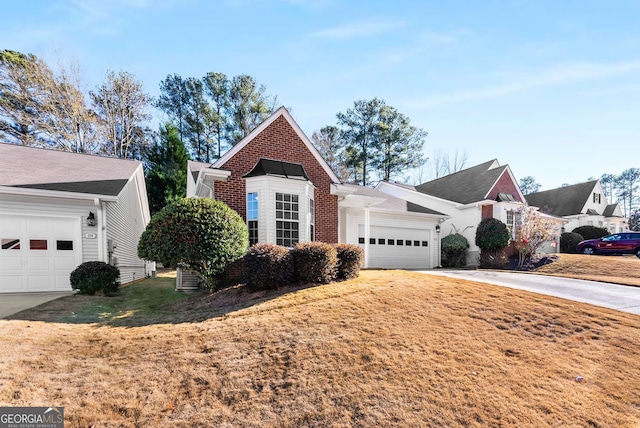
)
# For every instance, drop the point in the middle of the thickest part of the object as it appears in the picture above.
(514, 220)
(252, 217)
(596, 198)
(287, 219)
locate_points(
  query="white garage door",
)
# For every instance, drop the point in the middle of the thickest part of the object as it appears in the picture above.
(395, 247)
(38, 253)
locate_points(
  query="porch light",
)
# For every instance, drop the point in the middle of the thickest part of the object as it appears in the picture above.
(91, 219)
(437, 228)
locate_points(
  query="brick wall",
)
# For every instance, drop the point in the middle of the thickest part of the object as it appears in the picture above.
(504, 185)
(279, 141)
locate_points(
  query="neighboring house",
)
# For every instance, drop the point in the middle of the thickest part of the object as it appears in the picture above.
(488, 190)
(60, 209)
(278, 182)
(582, 204)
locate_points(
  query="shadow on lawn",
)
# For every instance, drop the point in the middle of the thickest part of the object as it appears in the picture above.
(152, 301)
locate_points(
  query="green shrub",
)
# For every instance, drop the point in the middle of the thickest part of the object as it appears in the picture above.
(454, 250)
(267, 266)
(350, 259)
(492, 237)
(591, 232)
(568, 242)
(315, 262)
(94, 277)
(203, 235)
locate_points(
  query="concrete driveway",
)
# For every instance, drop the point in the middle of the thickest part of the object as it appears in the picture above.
(614, 296)
(12, 303)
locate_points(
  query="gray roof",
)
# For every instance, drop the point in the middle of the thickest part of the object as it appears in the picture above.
(466, 186)
(391, 203)
(563, 201)
(609, 210)
(277, 168)
(36, 168)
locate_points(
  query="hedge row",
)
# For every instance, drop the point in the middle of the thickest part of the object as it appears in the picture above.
(268, 266)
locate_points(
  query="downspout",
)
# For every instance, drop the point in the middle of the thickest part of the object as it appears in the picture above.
(99, 211)
(367, 233)
(103, 231)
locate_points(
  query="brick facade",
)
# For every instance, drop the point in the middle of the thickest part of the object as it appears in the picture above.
(505, 185)
(279, 141)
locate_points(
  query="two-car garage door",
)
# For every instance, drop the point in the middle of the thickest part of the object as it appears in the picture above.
(397, 247)
(38, 253)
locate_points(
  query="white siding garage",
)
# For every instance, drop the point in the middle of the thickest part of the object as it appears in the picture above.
(38, 253)
(397, 247)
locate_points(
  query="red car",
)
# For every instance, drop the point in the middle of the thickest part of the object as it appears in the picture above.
(618, 243)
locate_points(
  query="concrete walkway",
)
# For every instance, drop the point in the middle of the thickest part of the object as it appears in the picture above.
(614, 296)
(12, 303)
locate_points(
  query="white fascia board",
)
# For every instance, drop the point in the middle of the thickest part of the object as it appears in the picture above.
(282, 111)
(341, 190)
(143, 199)
(403, 193)
(25, 191)
(411, 214)
(213, 174)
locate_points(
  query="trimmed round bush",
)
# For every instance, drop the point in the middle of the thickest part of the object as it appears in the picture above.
(350, 258)
(492, 237)
(267, 266)
(94, 277)
(454, 249)
(201, 234)
(568, 242)
(591, 232)
(315, 262)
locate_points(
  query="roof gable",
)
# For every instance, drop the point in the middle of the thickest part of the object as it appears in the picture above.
(467, 186)
(563, 201)
(281, 112)
(37, 168)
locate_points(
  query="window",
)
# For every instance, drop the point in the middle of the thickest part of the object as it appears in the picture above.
(360, 240)
(372, 241)
(37, 244)
(312, 220)
(10, 244)
(514, 220)
(287, 216)
(390, 242)
(381, 241)
(407, 243)
(596, 198)
(399, 242)
(425, 243)
(64, 245)
(252, 217)
(416, 243)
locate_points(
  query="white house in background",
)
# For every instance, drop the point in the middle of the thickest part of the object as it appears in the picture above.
(60, 209)
(582, 204)
(488, 190)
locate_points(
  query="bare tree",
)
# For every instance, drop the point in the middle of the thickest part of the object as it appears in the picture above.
(122, 108)
(442, 163)
(38, 107)
(326, 140)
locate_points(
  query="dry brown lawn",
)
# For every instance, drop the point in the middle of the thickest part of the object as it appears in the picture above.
(389, 349)
(615, 269)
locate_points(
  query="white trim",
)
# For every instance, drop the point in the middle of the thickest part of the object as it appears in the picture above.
(10, 190)
(282, 111)
(403, 190)
(513, 180)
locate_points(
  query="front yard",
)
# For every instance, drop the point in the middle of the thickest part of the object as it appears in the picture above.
(391, 348)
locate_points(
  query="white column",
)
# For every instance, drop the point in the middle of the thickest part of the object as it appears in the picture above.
(367, 233)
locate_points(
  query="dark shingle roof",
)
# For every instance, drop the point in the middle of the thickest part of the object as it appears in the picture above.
(278, 168)
(466, 186)
(563, 201)
(36, 168)
(103, 187)
(609, 210)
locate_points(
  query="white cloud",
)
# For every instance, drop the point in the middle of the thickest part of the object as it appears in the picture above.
(358, 29)
(557, 75)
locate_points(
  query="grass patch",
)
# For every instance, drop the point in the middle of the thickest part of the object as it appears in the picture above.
(390, 348)
(142, 303)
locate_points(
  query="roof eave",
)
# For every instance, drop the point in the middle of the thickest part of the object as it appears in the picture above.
(25, 191)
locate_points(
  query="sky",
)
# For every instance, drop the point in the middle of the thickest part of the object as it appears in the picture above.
(551, 88)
